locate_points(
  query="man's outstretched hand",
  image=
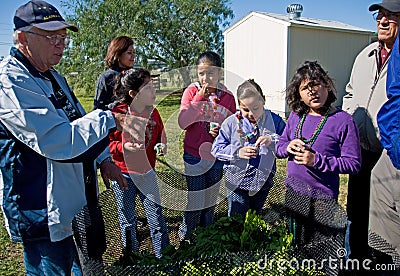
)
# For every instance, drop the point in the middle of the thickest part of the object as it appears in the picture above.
(111, 172)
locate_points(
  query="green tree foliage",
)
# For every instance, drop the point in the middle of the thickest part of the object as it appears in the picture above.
(173, 32)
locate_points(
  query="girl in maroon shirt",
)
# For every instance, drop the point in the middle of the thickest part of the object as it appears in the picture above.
(133, 151)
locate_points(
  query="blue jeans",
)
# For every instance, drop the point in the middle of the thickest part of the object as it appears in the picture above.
(43, 257)
(240, 201)
(203, 180)
(76, 268)
(145, 186)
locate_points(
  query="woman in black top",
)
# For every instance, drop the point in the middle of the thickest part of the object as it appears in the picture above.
(120, 57)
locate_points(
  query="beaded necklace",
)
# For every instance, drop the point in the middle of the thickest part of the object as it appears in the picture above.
(309, 142)
(254, 133)
(209, 108)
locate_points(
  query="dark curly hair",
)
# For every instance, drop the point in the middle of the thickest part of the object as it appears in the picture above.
(131, 79)
(314, 73)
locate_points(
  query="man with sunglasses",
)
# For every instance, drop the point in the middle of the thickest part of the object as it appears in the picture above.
(49, 147)
(366, 93)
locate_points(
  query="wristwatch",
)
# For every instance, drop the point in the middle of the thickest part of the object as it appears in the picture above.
(236, 155)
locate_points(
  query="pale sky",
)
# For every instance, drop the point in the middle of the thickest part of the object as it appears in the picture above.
(353, 12)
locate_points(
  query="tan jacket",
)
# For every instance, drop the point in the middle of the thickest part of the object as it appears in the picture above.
(365, 94)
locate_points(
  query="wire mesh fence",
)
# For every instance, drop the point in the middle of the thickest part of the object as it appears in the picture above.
(316, 222)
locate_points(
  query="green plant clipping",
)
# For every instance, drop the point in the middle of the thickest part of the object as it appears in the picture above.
(199, 254)
(258, 234)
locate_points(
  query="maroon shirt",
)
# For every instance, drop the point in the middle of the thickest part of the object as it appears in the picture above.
(383, 54)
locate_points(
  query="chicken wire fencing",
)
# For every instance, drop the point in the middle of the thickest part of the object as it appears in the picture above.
(316, 223)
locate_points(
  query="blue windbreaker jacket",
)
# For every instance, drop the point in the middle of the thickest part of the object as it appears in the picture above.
(389, 114)
(42, 152)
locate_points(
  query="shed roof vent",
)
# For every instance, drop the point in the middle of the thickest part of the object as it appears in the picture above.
(294, 11)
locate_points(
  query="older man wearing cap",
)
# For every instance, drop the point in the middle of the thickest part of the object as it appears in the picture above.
(49, 147)
(366, 93)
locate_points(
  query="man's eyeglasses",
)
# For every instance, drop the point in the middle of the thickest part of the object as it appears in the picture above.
(390, 16)
(55, 39)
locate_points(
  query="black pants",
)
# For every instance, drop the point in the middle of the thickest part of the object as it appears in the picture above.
(358, 205)
(318, 226)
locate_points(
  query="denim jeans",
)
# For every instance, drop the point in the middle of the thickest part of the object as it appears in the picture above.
(203, 180)
(240, 201)
(43, 257)
(76, 268)
(145, 186)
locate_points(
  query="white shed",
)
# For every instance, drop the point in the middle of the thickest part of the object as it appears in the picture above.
(269, 47)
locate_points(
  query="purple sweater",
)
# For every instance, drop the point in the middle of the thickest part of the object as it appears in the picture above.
(337, 151)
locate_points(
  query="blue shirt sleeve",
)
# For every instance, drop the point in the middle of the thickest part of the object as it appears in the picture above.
(279, 123)
(226, 144)
(389, 115)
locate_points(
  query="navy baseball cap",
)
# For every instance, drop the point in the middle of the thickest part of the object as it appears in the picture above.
(42, 15)
(390, 5)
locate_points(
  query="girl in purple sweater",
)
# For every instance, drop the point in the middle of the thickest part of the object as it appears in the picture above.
(320, 141)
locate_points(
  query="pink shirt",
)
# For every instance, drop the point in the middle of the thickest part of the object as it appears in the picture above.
(196, 112)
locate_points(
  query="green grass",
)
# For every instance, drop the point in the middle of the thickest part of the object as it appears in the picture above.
(11, 256)
(11, 261)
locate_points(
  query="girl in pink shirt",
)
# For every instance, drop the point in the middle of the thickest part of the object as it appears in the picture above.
(204, 106)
